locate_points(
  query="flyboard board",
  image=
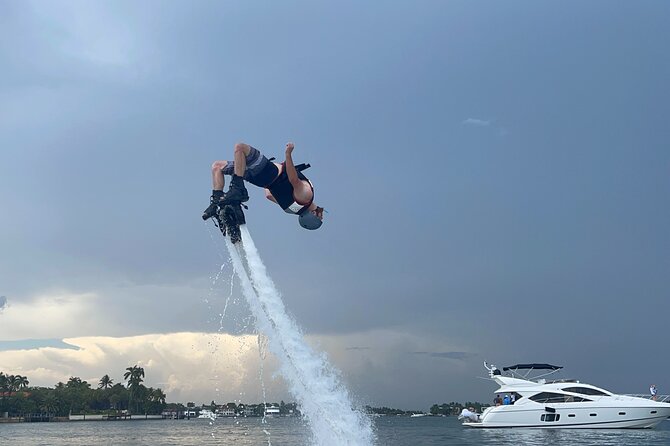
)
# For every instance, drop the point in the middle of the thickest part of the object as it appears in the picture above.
(228, 219)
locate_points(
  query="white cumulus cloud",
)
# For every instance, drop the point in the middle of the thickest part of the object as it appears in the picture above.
(198, 367)
(201, 367)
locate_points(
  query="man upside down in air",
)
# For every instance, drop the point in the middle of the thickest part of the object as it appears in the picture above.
(283, 183)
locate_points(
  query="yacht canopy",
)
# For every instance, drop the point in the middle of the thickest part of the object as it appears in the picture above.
(532, 366)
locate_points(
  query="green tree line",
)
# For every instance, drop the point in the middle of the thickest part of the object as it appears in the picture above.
(75, 396)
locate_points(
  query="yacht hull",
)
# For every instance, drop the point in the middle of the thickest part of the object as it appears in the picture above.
(574, 418)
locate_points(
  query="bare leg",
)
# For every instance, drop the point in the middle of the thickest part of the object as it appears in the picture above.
(237, 192)
(241, 152)
(217, 175)
(217, 189)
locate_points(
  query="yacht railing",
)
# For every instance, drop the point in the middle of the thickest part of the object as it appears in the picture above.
(659, 398)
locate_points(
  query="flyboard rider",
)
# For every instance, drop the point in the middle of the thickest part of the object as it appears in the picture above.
(284, 184)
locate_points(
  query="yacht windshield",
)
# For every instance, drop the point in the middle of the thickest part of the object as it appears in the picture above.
(584, 391)
(550, 397)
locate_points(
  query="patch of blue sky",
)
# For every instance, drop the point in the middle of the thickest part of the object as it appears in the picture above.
(31, 344)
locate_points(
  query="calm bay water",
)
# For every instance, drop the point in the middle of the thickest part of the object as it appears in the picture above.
(401, 431)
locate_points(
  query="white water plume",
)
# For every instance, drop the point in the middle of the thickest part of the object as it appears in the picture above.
(323, 399)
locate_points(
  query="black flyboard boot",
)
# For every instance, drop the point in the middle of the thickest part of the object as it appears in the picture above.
(232, 217)
(237, 193)
(213, 207)
(210, 211)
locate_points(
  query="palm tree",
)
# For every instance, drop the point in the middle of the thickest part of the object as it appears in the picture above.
(4, 383)
(11, 383)
(105, 382)
(73, 382)
(134, 377)
(158, 396)
(4, 387)
(50, 405)
(21, 382)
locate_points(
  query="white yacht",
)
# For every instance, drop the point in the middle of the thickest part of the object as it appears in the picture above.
(539, 403)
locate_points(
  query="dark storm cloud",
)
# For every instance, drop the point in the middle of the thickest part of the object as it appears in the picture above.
(447, 355)
(111, 114)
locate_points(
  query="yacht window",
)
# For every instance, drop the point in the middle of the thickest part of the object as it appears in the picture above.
(593, 414)
(550, 397)
(571, 415)
(653, 411)
(622, 413)
(549, 417)
(584, 391)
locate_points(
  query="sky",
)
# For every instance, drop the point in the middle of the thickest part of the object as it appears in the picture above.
(496, 176)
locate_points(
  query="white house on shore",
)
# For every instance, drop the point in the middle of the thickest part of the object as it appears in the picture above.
(271, 411)
(225, 412)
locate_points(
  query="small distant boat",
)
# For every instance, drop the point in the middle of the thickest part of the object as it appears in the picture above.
(206, 413)
(416, 415)
(563, 403)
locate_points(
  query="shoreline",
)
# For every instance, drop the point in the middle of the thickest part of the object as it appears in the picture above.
(76, 418)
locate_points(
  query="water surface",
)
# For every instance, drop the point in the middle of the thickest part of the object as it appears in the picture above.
(401, 431)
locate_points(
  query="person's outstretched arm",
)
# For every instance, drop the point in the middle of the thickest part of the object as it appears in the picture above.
(290, 167)
(301, 191)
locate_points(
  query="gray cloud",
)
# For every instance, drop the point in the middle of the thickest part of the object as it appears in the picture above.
(3, 303)
(476, 122)
(500, 130)
(447, 355)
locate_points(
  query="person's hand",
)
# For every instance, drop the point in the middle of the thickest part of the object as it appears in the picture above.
(289, 148)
